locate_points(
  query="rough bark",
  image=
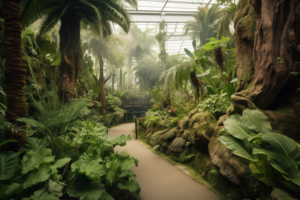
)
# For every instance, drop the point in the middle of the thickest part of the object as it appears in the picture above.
(267, 35)
(71, 55)
(276, 49)
(121, 78)
(15, 73)
(102, 90)
(107, 79)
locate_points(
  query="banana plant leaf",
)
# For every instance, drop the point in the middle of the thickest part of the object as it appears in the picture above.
(282, 144)
(257, 121)
(240, 148)
(285, 165)
(236, 127)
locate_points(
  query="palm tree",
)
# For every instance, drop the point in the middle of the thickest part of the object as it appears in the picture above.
(14, 71)
(138, 44)
(205, 24)
(98, 14)
(111, 49)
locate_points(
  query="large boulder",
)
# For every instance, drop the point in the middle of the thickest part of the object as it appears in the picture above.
(188, 135)
(165, 139)
(278, 194)
(152, 138)
(231, 166)
(183, 124)
(201, 117)
(192, 112)
(141, 121)
(202, 134)
(177, 146)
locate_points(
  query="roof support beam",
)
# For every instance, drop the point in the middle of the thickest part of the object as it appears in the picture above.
(156, 17)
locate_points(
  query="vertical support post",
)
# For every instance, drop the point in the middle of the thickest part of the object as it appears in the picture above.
(136, 132)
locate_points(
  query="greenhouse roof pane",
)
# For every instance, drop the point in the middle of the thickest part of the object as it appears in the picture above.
(175, 13)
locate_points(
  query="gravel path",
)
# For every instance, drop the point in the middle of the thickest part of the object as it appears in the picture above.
(158, 179)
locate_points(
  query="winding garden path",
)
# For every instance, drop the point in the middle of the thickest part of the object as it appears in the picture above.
(158, 179)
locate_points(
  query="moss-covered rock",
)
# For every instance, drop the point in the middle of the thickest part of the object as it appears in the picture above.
(201, 117)
(177, 146)
(183, 124)
(188, 135)
(192, 112)
(151, 138)
(222, 119)
(164, 140)
(278, 194)
(231, 166)
(141, 121)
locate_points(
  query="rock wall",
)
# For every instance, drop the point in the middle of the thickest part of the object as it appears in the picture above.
(194, 141)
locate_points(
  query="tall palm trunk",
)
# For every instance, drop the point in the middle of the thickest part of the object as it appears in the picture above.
(102, 91)
(121, 78)
(15, 74)
(71, 55)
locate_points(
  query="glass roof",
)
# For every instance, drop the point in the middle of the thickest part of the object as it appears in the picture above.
(175, 13)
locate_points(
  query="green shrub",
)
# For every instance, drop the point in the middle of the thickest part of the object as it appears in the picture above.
(274, 158)
(215, 104)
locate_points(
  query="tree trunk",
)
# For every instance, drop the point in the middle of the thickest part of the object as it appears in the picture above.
(121, 78)
(267, 35)
(113, 82)
(124, 80)
(14, 71)
(276, 50)
(102, 90)
(71, 55)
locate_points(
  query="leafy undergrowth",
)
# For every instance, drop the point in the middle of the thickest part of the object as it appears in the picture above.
(68, 156)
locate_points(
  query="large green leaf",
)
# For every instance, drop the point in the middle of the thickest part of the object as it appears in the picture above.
(90, 167)
(282, 144)
(257, 121)
(236, 127)
(33, 160)
(262, 172)
(55, 188)
(130, 185)
(58, 164)
(238, 147)
(38, 176)
(41, 194)
(112, 176)
(14, 188)
(84, 188)
(8, 164)
(282, 163)
(47, 47)
(106, 196)
(190, 54)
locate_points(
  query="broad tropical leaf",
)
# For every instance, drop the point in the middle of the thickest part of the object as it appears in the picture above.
(262, 172)
(190, 54)
(257, 121)
(8, 164)
(236, 127)
(38, 176)
(41, 194)
(106, 196)
(130, 185)
(238, 147)
(282, 163)
(58, 164)
(90, 167)
(84, 188)
(282, 144)
(33, 160)
(55, 189)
